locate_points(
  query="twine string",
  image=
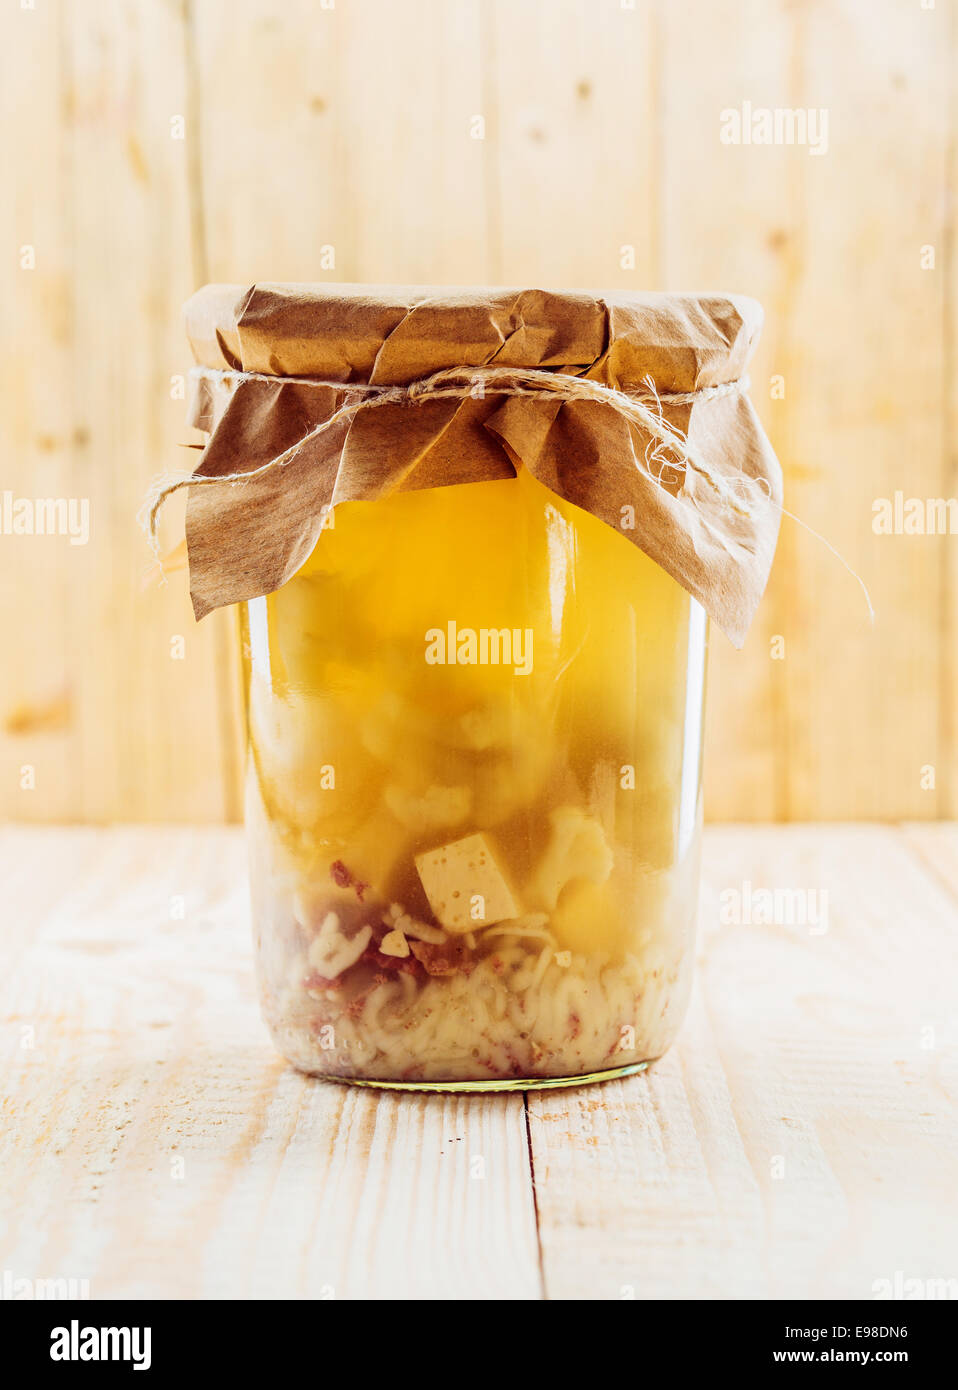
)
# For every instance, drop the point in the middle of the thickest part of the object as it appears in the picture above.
(668, 445)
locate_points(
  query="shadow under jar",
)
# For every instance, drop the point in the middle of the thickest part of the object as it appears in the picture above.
(475, 720)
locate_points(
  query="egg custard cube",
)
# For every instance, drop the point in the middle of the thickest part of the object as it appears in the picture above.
(465, 886)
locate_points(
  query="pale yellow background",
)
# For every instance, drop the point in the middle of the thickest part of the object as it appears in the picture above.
(351, 127)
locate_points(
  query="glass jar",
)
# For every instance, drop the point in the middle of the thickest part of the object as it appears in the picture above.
(475, 723)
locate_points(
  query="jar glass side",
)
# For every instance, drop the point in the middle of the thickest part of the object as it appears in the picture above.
(474, 794)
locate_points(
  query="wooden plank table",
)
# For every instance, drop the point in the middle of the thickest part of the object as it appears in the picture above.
(800, 1140)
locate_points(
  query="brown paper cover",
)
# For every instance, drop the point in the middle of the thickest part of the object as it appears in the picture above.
(247, 539)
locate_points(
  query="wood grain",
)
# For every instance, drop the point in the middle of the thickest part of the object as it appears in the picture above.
(108, 663)
(37, 425)
(800, 1140)
(350, 132)
(155, 1145)
(937, 846)
(585, 103)
(843, 722)
(948, 708)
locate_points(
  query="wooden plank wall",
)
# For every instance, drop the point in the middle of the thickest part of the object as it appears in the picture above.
(350, 124)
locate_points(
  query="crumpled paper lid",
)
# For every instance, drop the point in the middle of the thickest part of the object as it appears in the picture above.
(246, 539)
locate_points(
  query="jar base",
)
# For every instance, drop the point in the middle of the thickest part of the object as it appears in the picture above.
(538, 1083)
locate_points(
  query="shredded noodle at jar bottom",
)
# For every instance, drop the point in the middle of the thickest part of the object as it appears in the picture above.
(473, 810)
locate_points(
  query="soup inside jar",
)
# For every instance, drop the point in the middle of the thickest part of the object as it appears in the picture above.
(473, 804)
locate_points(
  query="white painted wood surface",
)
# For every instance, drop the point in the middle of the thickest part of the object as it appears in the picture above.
(800, 1140)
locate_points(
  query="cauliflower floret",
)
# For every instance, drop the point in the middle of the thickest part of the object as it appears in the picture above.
(577, 849)
(330, 952)
(498, 725)
(398, 919)
(378, 728)
(438, 808)
(587, 918)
